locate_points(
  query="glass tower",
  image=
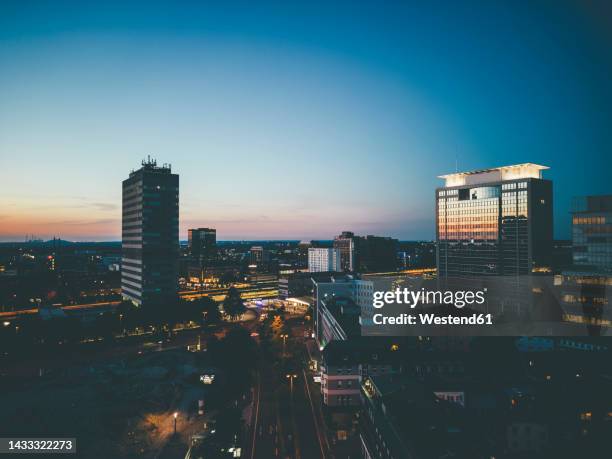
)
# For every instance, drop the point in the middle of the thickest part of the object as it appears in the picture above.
(494, 222)
(592, 231)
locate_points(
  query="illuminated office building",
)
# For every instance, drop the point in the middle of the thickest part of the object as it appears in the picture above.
(323, 260)
(150, 242)
(592, 231)
(494, 222)
(259, 256)
(587, 288)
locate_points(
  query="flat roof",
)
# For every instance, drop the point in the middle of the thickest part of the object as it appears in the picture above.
(302, 299)
(496, 169)
(496, 174)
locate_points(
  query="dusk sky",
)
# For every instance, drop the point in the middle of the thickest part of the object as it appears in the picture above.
(294, 121)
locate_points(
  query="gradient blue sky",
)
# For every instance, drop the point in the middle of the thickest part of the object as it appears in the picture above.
(289, 120)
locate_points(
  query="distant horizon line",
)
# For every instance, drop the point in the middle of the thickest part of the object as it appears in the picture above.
(41, 241)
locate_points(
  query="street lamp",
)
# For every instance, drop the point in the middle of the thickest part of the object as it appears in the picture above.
(291, 377)
(175, 416)
(284, 336)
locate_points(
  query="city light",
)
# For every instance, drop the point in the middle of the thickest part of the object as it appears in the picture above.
(302, 208)
(291, 377)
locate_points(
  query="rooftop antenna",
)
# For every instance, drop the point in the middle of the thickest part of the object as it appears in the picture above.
(456, 163)
(148, 161)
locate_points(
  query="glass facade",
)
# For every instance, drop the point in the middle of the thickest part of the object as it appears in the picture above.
(488, 230)
(592, 231)
(468, 230)
(514, 231)
(493, 235)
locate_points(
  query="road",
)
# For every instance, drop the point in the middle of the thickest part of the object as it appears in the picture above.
(286, 422)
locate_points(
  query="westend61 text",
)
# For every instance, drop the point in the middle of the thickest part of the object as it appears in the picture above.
(432, 319)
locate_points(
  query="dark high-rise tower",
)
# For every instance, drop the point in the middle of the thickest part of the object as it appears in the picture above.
(366, 254)
(150, 244)
(346, 243)
(202, 244)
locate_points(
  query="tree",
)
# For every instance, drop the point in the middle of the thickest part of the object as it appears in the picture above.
(157, 314)
(129, 316)
(228, 277)
(209, 309)
(236, 356)
(105, 325)
(229, 425)
(233, 304)
(187, 311)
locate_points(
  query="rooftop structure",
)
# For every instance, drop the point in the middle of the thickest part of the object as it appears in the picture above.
(496, 174)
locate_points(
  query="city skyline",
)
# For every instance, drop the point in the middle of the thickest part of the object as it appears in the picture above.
(306, 230)
(285, 123)
(185, 229)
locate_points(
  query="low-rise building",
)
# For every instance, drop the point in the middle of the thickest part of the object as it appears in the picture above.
(299, 283)
(403, 419)
(298, 305)
(344, 364)
(338, 319)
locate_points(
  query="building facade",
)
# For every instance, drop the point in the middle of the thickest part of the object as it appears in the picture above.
(366, 254)
(377, 254)
(585, 290)
(202, 244)
(323, 259)
(338, 319)
(345, 243)
(359, 289)
(202, 251)
(344, 364)
(150, 243)
(494, 223)
(298, 284)
(258, 256)
(363, 295)
(592, 232)
(326, 288)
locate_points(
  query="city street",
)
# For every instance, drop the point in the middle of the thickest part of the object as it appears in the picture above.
(285, 423)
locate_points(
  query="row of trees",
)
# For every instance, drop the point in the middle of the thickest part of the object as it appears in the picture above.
(32, 331)
(203, 311)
